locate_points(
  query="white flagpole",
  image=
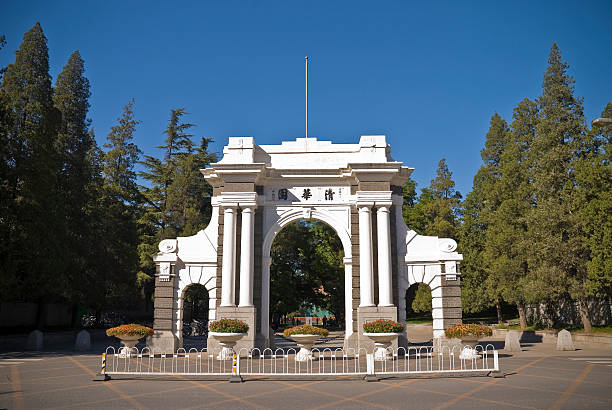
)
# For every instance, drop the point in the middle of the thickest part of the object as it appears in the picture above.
(306, 61)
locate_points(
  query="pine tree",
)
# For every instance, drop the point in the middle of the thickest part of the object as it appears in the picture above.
(115, 217)
(593, 200)
(177, 201)
(505, 254)
(557, 255)
(30, 130)
(481, 276)
(74, 144)
(475, 296)
(121, 157)
(441, 204)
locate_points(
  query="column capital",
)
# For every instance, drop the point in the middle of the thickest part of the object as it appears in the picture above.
(238, 199)
(373, 198)
(383, 209)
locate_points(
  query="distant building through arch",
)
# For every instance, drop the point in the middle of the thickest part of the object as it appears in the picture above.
(257, 189)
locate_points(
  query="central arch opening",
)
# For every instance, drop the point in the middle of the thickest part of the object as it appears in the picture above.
(307, 277)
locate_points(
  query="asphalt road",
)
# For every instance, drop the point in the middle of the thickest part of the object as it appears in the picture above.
(538, 377)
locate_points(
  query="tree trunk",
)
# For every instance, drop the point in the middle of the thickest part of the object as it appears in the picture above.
(522, 315)
(584, 315)
(500, 319)
(550, 320)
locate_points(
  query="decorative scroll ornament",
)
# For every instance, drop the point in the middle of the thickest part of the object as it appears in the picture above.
(447, 245)
(167, 246)
(165, 269)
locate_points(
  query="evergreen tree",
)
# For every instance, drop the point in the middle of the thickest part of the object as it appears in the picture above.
(121, 157)
(30, 122)
(482, 276)
(594, 203)
(437, 210)
(177, 201)
(441, 204)
(557, 254)
(74, 144)
(505, 255)
(112, 278)
(475, 296)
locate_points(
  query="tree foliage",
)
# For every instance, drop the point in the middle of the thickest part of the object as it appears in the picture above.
(307, 269)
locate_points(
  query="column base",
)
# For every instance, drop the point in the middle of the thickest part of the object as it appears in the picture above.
(163, 341)
(370, 314)
(246, 314)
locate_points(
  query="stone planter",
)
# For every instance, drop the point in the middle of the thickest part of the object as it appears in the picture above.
(305, 343)
(382, 341)
(227, 342)
(469, 340)
(468, 347)
(129, 343)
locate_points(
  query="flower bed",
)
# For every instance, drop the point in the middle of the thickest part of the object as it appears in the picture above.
(383, 326)
(228, 326)
(305, 330)
(130, 330)
(459, 331)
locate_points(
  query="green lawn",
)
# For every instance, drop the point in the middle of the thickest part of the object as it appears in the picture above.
(419, 321)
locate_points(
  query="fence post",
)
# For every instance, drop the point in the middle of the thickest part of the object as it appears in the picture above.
(235, 377)
(102, 376)
(370, 374)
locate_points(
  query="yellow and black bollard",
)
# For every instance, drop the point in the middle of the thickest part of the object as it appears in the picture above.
(102, 376)
(235, 377)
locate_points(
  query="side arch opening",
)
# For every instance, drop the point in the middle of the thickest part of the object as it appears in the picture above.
(419, 320)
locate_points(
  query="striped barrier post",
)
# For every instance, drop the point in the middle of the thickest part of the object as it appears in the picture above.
(235, 377)
(102, 376)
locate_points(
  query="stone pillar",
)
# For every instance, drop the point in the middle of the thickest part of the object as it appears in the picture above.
(228, 269)
(165, 338)
(265, 302)
(246, 258)
(385, 293)
(366, 280)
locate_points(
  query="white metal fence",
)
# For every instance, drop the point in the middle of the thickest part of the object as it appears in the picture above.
(280, 363)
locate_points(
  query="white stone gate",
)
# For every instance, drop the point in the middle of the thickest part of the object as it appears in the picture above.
(355, 188)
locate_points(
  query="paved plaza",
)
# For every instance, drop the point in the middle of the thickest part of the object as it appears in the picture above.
(538, 377)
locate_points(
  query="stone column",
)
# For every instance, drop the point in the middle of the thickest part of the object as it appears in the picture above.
(228, 269)
(366, 280)
(385, 293)
(246, 258)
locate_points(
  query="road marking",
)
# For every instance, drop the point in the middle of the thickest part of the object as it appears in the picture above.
(25, 359)
(572, 387)
(109, 385)
(590, 358)
(336, 396)
(10, 363)
(487, 384)
(600, 362)
(16, 384)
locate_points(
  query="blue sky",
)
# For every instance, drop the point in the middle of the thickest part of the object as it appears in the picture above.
(429, 75)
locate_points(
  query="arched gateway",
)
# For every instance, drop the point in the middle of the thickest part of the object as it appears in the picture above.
(257, 189)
